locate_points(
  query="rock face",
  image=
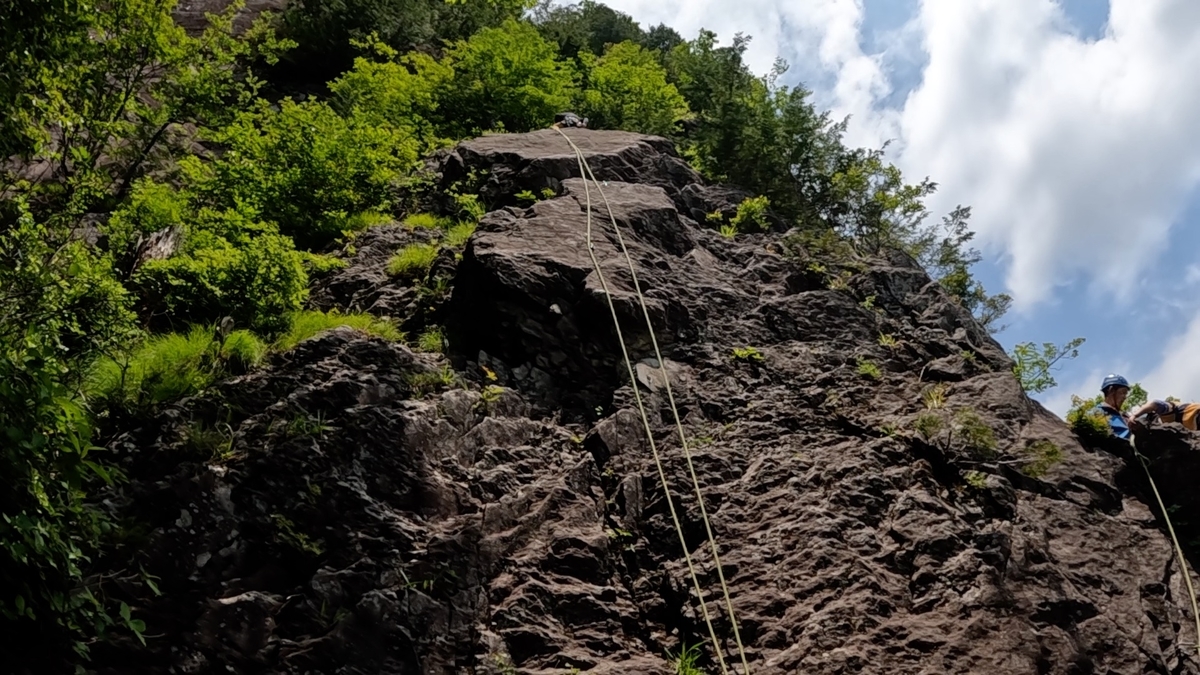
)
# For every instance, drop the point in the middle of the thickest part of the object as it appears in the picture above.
(885, 497)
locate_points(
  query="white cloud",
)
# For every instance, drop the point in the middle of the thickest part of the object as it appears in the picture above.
(1178, 372)
(1075, 155)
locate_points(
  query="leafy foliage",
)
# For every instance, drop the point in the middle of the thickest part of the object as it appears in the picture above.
(228, 267)
(327, 30)
(305, 168)
(1033, 366)
(748, 354)
(507, 78)
(1044, 455)
(60, 307)
(587, 27)
(868, 368)
(627, 89)
(751, 215)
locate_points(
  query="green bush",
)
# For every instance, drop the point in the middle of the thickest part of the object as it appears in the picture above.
(751, 215)
(1089, 424)
(503, 78)
(61, 307)
(151, 207)
(326, 30)
(400, 94)
(305, 168)
(307, 324)
(412, 261)
(168, 367)
(627, 89)
(254, 276)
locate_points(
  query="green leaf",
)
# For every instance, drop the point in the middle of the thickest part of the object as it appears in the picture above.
(125, 613)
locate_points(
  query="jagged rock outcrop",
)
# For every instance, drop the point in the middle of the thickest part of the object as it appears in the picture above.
(335, 512)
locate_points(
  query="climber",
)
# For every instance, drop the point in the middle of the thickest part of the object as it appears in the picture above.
(1115, 388)
(1187, 414)
(569, 119)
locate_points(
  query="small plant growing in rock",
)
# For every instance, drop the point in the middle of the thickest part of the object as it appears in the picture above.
(490, 395)
(431, 340)
(426, 221)
(685, 660)
(548, 193)
(934, 398)
(751, 215)
(748, 354)
(887, 340)
(211, 443)
(868, 304)
(729, 231)
(1044, 454)
(469, 206)
(457, 236)
(423, 383)
(412, 261)
(929, 425)
(978, 438)
(526, 196)
(841, 282)
(890, 430)
(976, 479)
(288, 533)
(968, 356)
(868, 368)
(1089, 424)
(304, 425)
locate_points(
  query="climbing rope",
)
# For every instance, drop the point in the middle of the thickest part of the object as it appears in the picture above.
(1187, 578)
(585, 167)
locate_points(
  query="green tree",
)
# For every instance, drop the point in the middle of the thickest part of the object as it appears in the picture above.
(120, 92)
(627, 89)
(586, 26)
(1034, 366)
(325, 30)
(504, 78)
(303, 167)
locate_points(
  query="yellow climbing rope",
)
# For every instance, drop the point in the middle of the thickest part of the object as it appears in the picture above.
(1183, 568)
(585, 172)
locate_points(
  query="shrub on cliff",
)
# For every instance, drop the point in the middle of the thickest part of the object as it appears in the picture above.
(230, 266)
(303, 167)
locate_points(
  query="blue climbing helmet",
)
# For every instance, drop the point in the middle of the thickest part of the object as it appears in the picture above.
(1113, 380)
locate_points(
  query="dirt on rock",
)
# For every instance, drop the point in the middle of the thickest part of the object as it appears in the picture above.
(885, 497)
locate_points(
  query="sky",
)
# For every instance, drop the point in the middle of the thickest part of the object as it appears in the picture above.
(1068, 126)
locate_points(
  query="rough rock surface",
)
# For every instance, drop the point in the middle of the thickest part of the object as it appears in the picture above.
(332, 514)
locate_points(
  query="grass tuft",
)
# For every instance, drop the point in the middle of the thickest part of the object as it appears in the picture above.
(172, 366)
(306, 324)
(457, 236)
(413, 260)
(427, 221)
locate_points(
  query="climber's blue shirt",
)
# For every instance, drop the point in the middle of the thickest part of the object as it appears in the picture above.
(1116, 421)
